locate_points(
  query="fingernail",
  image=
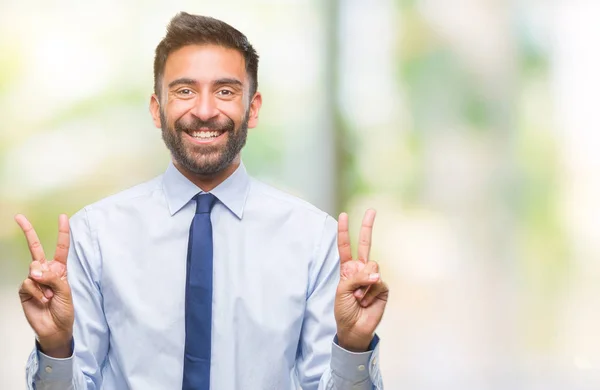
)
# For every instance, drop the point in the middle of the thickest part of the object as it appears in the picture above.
(44, 299)
(36, 274)
(373, 276)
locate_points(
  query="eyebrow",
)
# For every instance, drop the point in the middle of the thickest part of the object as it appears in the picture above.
(218, 82)
(228, 81)
(182, 81)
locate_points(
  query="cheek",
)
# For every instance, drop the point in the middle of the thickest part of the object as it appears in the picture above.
(179, 107)
(176, 110)
(234, 111)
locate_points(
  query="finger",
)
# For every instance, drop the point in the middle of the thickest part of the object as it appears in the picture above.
(364, 238)
(344, 248)
(35, 247)
(36, 270)
(378, 290)
(48, 293)
(29, 289)
(62, 246)
(47, 278)
(358, 280)
(370, 268)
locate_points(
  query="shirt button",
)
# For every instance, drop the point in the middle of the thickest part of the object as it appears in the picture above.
(48, 369)
(374, 361)
(361, 368)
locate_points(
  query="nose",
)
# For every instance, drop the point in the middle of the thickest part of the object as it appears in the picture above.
(205, 107)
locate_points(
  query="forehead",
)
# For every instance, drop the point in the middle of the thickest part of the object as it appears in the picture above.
(204, 63)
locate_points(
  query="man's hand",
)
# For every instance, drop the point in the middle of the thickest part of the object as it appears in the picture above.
(45, 294)
(361, 294)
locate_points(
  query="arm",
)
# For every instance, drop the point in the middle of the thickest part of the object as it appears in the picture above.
(81, 369)
(321, 363)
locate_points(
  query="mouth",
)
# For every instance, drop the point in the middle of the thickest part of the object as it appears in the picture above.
(203, 136)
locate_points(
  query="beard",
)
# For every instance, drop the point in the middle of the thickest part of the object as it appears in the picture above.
(204, 160)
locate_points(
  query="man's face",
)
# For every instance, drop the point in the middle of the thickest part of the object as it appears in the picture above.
(205, 110)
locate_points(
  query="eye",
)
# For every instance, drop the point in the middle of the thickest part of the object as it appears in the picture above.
(225, 93)
(185, 92)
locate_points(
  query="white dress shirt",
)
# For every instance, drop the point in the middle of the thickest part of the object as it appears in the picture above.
(276, 270)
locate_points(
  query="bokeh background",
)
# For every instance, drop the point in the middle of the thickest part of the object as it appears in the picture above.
(470, 125)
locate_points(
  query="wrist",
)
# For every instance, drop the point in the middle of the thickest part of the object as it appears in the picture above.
(354, 343)
(59, 349)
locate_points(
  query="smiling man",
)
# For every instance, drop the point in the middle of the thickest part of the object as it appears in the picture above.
(204, 278)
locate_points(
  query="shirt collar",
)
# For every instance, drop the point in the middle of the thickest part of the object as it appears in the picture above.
(232, 192)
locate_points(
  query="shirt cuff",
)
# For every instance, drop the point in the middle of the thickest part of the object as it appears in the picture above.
(53, 369)
(353, 367)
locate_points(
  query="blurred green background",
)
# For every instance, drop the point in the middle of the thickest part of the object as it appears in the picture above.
(470, 125)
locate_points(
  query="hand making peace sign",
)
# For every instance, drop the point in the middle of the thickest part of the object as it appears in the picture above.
(361, 294)
(45, 294)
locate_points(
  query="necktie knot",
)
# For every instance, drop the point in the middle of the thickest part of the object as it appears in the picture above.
(204, 203)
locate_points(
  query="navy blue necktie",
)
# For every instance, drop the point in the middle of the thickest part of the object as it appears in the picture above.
(198, 298)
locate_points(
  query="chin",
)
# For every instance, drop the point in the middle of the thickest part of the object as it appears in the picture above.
(203, 167)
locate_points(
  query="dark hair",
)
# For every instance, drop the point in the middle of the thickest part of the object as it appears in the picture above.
(186, 29)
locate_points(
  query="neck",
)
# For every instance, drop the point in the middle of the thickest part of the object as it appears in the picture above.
(209, 182)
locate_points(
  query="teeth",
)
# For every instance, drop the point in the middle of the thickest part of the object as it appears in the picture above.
(205, 134)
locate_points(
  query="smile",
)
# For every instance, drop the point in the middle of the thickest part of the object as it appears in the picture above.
(205, 136)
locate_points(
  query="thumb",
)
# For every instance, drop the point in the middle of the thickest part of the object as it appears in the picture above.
(358, 280)
(46, 277)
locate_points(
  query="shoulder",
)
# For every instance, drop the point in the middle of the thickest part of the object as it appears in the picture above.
(131, 197)
(270, 195)
(275, 202)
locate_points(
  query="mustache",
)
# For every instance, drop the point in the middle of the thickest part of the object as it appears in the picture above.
(197, 123)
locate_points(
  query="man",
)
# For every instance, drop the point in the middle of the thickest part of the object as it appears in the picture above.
(203, 277)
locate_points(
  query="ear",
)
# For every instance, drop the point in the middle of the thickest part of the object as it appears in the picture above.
(155, 110)
(255, 105)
